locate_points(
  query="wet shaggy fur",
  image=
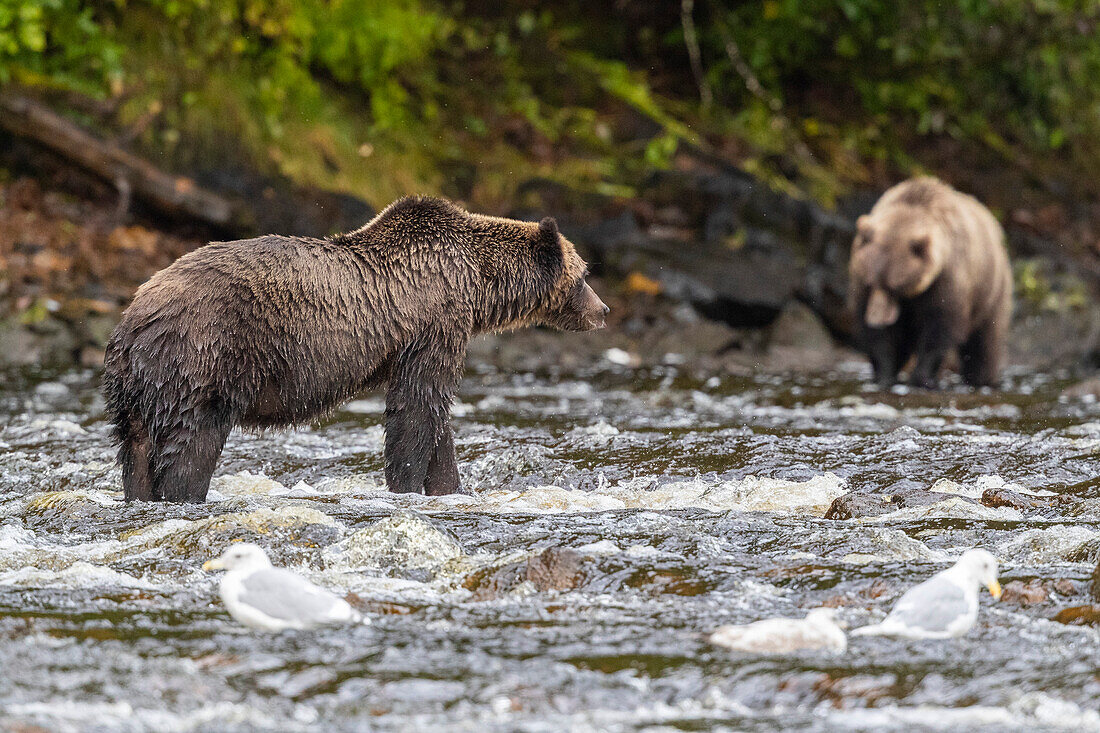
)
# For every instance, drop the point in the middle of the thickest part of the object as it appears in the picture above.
(929, 273)
(278, 330)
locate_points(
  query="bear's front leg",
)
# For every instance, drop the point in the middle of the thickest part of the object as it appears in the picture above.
(932, 346)
(419, 444)
(882, 349)
(443, 470)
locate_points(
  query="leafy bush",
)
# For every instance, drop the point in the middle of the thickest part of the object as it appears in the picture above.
(1001, 74)
(380, 97)
(55, 43)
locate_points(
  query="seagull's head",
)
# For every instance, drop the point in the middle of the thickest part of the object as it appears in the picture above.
(981, 567)
(244, 555)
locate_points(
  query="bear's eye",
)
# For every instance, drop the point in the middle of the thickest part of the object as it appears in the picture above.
(919, 247)
(863, 237)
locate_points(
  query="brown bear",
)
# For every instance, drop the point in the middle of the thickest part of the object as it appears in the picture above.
(929, 273)
(278, 330)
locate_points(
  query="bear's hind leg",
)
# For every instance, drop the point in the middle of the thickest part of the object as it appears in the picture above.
(135, 457)
(183, 468)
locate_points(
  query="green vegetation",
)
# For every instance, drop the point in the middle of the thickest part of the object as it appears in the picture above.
(382, 97)
(1038, 289)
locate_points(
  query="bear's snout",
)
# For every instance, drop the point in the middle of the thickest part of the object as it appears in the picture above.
(597, 310)
(582, 311)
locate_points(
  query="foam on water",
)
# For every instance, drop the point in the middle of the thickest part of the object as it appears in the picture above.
(78, 575)
(751, 494)
(64, 716)
(953, 508)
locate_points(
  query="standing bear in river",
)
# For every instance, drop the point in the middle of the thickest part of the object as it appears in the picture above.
(278, 330)
(928, 274)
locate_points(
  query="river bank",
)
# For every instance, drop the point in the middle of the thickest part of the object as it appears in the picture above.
(709, 268)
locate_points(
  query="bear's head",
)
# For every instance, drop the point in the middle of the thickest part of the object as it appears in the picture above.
(534, 276)
(897, 254)
(572, 304)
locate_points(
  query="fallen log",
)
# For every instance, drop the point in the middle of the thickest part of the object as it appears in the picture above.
(129, 174)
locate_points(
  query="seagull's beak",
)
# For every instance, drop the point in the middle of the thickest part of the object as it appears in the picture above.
(217, 564)
(995, 589)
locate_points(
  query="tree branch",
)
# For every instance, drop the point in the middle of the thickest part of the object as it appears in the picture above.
(131, 175)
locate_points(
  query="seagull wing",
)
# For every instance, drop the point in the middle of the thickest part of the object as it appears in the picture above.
(933, 606)
(282, 595)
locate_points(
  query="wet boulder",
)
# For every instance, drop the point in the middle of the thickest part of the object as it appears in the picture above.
(1019, 593)
(800, 328)
(406, 544)
(744, 279)
(1003, 497)
(903, 494)
(553, 569)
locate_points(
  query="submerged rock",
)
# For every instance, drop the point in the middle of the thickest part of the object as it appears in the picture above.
(1059, 543)
(78, 575)
(556, 568)
(904, 494)
(553, 569)
(406, 544)
(286, 529)
(1024, 594)
(69, 510)
(1079, 616)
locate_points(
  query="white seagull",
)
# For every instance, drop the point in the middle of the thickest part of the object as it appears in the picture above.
(945, 605)
(819, 630)
(273, 599)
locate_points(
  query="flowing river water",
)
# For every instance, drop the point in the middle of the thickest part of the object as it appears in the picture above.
(616, 517)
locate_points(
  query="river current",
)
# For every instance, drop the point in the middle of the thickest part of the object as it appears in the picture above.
(615, 518)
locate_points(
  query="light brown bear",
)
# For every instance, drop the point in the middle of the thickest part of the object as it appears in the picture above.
(929, 273)
(277, 330)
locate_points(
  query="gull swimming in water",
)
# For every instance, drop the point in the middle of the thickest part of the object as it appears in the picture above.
(273, 599)
(819, 630)
(945, 605)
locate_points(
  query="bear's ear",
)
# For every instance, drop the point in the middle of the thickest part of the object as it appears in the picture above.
(548, 229)
(864, 232)
(548, 247)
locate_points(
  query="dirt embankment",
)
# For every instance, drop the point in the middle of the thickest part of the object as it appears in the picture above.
(67, 268)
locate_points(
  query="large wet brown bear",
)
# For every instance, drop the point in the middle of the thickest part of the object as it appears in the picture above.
(929, 273)
(278, 330)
